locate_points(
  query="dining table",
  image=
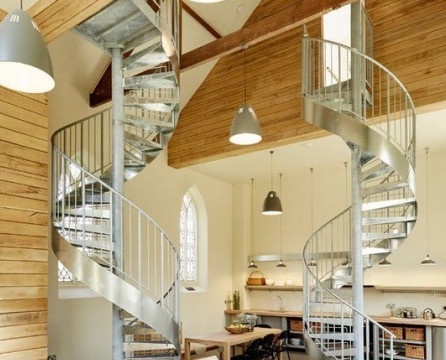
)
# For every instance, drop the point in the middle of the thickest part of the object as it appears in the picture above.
(226, 340)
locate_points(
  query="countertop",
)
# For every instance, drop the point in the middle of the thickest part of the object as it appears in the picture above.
(404, 321)
(265, 312)
(380, 319)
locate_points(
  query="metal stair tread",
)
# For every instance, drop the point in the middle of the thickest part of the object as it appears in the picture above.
(387, 220)
(150, 56)
(91, 211)
(146, 123)
(113, 23)
(372, 236)
(156, 80)
(376, 205)
(333, 336)
(376, 171)
(141, 143)
(148, 105)
(385, 187)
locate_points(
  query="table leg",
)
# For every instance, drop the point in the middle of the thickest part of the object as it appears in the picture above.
(226, 352)
(187, 349)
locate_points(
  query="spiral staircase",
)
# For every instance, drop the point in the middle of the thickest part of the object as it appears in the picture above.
(141, 278)
(383, 134)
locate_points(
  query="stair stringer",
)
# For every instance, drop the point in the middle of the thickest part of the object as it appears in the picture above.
(114, 289)
(356, 132)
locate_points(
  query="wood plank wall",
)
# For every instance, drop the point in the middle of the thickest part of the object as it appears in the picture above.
(273, 90)
(23, 226)
(408, 40)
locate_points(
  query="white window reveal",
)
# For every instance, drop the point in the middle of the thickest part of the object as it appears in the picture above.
(193, 241)
(188, 240)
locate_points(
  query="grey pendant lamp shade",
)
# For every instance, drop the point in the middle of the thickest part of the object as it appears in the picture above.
(252, 265)
(245, 128)
(427, 260)
(272, 204)
(25, 63)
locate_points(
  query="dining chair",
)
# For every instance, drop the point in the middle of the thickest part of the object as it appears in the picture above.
(266, 349)
(251, 352)
(280, 345)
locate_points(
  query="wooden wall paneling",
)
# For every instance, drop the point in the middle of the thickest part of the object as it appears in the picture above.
(273, 89)
(23, 226)
(409, 41)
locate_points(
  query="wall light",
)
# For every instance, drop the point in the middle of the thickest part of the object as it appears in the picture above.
(25, 63)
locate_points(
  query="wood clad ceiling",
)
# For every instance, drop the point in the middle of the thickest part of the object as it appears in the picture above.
(408, 39)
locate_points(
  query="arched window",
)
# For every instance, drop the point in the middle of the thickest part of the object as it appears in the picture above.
(188, 241)
(193, 241)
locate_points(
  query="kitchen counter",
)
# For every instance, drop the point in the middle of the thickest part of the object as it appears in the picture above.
(405, 321)
(264, 312)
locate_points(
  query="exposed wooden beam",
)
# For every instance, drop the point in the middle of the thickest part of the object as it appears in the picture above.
(297, 14)
(201, 21)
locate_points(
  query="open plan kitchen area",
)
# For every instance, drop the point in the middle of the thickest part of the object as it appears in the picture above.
(222, 180)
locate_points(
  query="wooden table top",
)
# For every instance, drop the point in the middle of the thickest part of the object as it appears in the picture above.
(223, 337)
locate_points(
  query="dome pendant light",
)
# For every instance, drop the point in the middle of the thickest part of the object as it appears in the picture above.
(252, 265)
(427, 260)
(272, 204)
(280, 264)
(25, 63)
(245, 128)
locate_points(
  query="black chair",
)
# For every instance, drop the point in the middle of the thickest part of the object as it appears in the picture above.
(251, 352)
(280, 345)
(266, 348)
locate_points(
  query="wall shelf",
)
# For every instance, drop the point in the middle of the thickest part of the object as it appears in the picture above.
(273, 288)
(411, 289)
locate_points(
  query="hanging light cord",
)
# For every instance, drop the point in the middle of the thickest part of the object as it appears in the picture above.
(312, 202)
(244, 47)
(252, 216)
(427, 199)
(271, 152)
(280, 220)
(346, 187)
(21, 4)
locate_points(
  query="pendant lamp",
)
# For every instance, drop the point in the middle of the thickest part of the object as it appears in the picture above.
(252, 265)
(25, 63)
(384, 262)
(272, 204)
(245, 128)
(280, 264)
(427, 260)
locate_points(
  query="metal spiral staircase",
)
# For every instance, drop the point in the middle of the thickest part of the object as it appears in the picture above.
(384, 133)
(142, 279)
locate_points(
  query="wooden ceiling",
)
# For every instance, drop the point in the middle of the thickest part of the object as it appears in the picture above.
(408, 39)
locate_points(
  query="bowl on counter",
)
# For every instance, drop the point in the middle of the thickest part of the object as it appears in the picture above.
(269, 282)
(279, 283)
(289, 282)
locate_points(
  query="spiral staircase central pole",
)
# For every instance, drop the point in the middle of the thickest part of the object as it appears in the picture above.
(358, 81)
(118, 185)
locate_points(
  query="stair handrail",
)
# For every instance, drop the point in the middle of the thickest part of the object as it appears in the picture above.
(335, 97)
(408, 147)
(85, 178)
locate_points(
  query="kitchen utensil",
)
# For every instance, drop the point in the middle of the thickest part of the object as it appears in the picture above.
(428, 314)
(406, 312)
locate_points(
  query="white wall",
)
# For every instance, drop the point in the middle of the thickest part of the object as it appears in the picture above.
(81, 328)
(330, 199)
